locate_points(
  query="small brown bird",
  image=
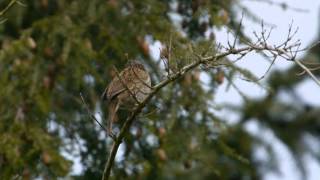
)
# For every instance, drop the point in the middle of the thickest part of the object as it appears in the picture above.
(130, 86)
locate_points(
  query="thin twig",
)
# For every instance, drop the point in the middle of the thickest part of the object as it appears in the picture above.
(315, 79)
(269, 68)
(141, 80)
(92, 116)
(133, 95)
(285, 51)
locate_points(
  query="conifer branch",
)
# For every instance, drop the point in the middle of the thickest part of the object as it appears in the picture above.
(11, 3)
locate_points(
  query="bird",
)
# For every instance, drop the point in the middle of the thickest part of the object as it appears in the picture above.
(128, 88)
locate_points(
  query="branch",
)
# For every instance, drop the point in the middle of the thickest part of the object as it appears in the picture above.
(12, 2)
(137, 110)
(285, 51)
(93, 117)
(315, 79)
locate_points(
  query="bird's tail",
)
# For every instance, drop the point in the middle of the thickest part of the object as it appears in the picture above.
(112, 112)
(104, 94)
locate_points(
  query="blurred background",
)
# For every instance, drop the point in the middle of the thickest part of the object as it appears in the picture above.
(210, 124)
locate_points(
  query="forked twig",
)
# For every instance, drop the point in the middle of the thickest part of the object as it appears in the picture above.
(287, 50)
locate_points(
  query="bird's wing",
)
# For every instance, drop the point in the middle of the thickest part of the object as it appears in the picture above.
(114, 89)
(116, 86)
(107, 95)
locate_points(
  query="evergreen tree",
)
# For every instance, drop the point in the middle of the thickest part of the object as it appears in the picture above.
(51, 51)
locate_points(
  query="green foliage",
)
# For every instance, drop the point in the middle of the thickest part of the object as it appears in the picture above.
(53, 50)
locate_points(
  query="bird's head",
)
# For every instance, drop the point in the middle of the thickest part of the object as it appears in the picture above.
(135, 63)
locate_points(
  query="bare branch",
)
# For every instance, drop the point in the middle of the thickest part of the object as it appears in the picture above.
(315, 79)
(269, 68)
(287, 50)
(92, 116)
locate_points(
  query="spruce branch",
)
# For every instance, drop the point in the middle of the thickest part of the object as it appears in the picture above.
(10, 5)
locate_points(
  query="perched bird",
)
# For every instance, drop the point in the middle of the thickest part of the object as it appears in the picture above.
(128, 88)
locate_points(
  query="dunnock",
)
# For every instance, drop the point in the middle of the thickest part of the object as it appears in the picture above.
(130, 87)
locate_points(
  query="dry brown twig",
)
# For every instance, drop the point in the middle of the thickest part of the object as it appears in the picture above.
(93, 117)
(287, 50)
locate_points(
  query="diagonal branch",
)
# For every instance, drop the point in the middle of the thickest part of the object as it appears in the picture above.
(315, 79)
(11, 3)
(173, 77)
(92, 116)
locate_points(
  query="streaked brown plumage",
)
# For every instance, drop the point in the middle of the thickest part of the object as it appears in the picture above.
(134, 80)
